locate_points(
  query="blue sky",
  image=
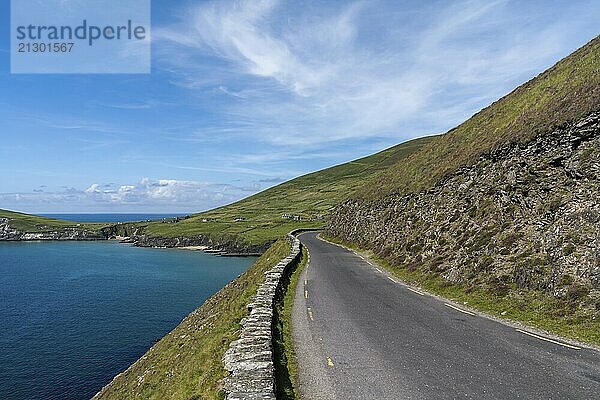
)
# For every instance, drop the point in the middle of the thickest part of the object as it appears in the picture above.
(244, 95)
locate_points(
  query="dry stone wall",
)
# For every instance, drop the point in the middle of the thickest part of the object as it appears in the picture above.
(249, 359)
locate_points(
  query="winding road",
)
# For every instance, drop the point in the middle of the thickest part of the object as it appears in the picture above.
(359, 334)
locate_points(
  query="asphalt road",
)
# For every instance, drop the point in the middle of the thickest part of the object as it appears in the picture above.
(360, 335)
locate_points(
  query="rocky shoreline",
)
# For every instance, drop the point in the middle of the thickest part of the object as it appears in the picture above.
(228, 247)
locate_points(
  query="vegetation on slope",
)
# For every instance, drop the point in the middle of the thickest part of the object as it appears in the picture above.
(564, 93)
(36, 224)
(186, 363)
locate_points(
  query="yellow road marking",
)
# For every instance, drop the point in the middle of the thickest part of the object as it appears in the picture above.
(310, 314)
(458, 309)
(548, 340)
(329, 362)
(306, 294)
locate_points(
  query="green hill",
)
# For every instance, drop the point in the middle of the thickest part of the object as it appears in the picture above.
(564, 93)
(258, 219)
(502, 211)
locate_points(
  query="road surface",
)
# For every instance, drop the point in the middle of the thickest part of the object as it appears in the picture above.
(360, 335)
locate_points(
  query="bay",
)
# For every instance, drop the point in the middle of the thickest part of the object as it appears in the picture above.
(74, 314)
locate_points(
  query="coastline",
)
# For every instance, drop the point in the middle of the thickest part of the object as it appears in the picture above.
(224, 249)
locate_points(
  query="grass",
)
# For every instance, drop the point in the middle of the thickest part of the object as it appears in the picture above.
(36, 224)
(564, 93)
(310, 196)
(286, 368)
(186, 363)
(529, 307)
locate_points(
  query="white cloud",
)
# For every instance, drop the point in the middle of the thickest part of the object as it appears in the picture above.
(93, 188)
(147, 194)
(309, 76)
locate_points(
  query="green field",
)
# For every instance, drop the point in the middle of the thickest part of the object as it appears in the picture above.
(35, 224)
(258, 219)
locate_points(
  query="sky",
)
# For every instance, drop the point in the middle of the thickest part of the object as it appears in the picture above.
(245, 95)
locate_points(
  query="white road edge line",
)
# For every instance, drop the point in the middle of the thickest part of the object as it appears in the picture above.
(408, 287)
(458, 309)
(548, 340)
(415, 291)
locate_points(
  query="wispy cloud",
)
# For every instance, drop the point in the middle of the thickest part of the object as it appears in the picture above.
(67, 122)
(146, 105)
(300, 80)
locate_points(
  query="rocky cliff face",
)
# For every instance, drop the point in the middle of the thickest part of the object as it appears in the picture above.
(524, 217)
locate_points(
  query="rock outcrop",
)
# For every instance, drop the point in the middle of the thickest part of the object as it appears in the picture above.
(250, 358)
(523, 217)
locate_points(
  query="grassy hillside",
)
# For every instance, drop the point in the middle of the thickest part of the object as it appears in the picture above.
(36, 224)
(186, 363)
(566, 92)
(312, 196)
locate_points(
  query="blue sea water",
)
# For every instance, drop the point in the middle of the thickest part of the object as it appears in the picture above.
(74, 314)
(111, 217)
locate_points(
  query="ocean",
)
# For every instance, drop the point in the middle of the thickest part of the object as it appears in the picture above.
(74, 314)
